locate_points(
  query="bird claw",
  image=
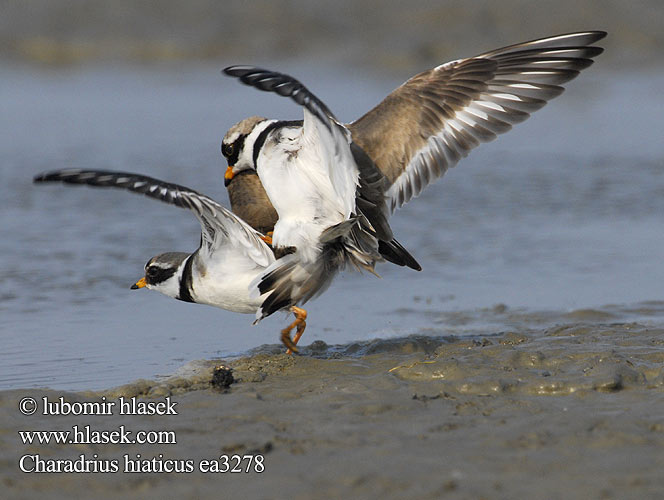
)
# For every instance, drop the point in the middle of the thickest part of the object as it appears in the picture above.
(300, 323)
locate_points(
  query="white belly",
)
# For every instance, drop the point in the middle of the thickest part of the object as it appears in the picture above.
(226, 284)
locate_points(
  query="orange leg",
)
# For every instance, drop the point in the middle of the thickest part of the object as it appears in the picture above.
(300, 327)
(301, 323)
(267, 238)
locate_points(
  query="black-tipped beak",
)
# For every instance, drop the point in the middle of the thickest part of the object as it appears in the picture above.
(139, 284)
(228, 176)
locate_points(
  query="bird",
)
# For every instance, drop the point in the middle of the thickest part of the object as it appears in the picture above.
(328, 195)
(231, 254)
(434, 119)
(411, 138)
(309, 167)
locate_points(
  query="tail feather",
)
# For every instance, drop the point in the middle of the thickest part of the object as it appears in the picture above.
(289, 281)
(397, 254)
(292, 280)
(338, 230)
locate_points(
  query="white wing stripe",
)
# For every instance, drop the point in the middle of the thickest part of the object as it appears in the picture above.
(509, 97)
(524, 86)
(477, 112)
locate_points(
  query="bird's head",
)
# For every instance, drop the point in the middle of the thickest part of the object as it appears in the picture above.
(237, 145)
(163, 273)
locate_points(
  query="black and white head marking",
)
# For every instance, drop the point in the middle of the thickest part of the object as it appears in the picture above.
(237, 145)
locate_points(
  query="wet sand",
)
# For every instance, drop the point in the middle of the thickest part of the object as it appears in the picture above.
(574, 410)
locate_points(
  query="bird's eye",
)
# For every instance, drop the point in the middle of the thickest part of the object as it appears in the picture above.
(227, 150)
(151, 271)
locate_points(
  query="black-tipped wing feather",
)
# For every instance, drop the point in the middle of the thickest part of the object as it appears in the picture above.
(434, 119)
(219, 226)
(284, 85)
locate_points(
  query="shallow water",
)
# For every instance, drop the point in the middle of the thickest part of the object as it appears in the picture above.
(560, 221)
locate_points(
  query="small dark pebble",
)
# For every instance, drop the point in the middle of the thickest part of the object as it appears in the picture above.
(222, 377)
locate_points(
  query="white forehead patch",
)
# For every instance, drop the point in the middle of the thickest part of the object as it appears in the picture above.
(231, 138)
(242, 128)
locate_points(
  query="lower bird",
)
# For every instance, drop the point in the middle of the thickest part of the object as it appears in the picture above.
(220, 272)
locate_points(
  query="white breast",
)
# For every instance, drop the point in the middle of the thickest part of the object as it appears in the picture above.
(296, 173)
(225, 282)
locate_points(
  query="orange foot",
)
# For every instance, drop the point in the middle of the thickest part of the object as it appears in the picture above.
(301, 323)
(267, 238)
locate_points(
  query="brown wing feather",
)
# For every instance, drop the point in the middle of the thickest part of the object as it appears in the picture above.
(434, 119)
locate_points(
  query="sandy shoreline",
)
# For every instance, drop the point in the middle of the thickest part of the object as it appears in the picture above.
(575, 411)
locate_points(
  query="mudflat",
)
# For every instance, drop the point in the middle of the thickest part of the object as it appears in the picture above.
(570, 411)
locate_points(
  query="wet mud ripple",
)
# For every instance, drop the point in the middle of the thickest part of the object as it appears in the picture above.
(557, 361)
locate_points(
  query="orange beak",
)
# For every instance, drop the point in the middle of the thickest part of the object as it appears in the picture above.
(139, 284)
(228, 176)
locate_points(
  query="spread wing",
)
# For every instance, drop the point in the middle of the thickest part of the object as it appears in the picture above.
(219, 226)
(434, 119)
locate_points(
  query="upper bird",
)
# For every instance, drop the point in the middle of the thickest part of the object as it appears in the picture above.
(328, 194)
(427, 124)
